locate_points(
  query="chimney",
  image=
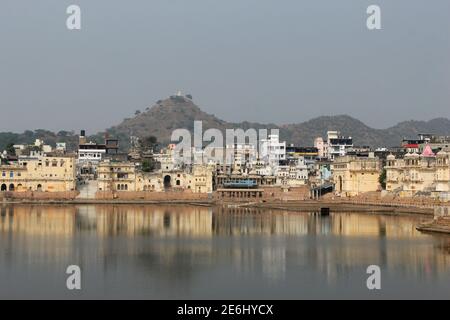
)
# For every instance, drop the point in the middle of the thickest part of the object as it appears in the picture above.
(82, 139)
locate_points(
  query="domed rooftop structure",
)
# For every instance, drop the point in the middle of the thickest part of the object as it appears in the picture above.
(390, 157)
(428, 152)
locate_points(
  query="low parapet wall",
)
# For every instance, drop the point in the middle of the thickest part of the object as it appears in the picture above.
(388, 198)
(39, 196)
(263, 194)
(441, 212)
(150, 196)
(286, 193)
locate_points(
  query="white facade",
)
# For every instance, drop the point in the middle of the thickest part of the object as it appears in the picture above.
(292, 174)
(90, 155)
(243, 153)
(320, 145)
(166, 160)
(301, 170)
(336, 145)
(272, 151)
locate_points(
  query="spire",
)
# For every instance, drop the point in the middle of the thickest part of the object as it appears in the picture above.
(427, 152)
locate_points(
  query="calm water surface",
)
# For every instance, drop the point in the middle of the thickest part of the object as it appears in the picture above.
(181, 252)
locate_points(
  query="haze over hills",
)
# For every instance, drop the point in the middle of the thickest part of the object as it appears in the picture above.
(180, 112)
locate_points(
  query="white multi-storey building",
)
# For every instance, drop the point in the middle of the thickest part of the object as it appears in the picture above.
(336, 145)
(272, 151)
(90, 152)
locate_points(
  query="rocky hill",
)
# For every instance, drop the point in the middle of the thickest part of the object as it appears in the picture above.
(180, 112)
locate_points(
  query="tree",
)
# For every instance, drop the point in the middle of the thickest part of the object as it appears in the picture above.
(149, 142)
(10, 149)
(382, 179)
(148, 165)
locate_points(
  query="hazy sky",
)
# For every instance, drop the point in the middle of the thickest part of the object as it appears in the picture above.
(279, 61)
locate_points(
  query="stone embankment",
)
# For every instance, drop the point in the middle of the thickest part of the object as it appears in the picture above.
(348, 206)
(38, 196)
(293, 200)
(440, 223)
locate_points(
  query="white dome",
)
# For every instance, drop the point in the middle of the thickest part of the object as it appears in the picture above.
(390, 157)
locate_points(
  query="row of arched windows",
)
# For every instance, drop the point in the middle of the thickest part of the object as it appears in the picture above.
(12, 187)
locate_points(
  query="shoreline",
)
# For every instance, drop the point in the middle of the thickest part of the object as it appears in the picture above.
(299, 206)
(439, 225)
(432, 226)
(347, 206)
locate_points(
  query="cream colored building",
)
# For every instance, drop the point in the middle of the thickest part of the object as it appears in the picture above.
(355, 175)
(202, 178)
(48, 174)
(427, 174)
(116, 176)
(123, 176)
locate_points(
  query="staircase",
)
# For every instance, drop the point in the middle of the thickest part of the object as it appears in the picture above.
(87, 189)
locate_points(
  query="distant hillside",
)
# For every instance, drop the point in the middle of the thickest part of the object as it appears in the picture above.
(180, 112)
(174, 113)
(28, 137)
(51, 138)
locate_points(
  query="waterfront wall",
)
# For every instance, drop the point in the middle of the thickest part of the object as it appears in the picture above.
(390, 199)
(150, 196)
(39, 196)
(286, 193)
(441, 212)
(263, 194)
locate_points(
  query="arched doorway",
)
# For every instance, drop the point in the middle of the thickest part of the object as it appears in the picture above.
(167, 183)
(39, 187)
(3, 188)
(11, 187)
(340, 184)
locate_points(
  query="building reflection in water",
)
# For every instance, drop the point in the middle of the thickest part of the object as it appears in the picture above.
(178, 242)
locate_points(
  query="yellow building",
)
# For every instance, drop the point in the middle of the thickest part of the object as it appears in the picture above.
(202, 177)
(48, 174)
(123, 176)
(355, 175)
(426, 173)
(116, 176)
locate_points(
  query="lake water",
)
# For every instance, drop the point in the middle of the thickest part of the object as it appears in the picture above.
(183, 252)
